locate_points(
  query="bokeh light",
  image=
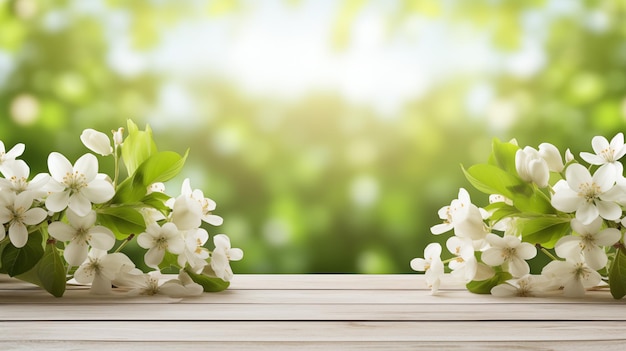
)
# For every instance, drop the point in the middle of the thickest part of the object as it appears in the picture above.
(329, 132)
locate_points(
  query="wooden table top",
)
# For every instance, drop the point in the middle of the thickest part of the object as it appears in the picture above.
(320, 312)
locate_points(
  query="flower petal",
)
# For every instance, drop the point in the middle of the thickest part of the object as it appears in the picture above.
(99, 191)
(76, 252)
(587, 213)
(84, 222)
(18, 234)
(595, 257)
(492, 257)
(101, 238)
(59, 166)
(79, 204)
(609, 210)
(57, 202)
(34, 216)
(576, 174)
(62, 231)
(87, 165)
(154, 256)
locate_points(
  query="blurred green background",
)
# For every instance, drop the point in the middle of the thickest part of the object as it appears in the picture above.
(328, 132)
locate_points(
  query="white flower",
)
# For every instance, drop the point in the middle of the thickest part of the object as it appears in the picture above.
(100, 269)
(150, 284)
(573, 275)
(511, 250)
(465, 264)
(586, 194)
(157, 240)
(96, 141)
(432, 266)
(222, 255)
(528, 285)
(531, 167)
(186, 213)
(81, 233)
(8, 157)
(589, 242)
(464, 217)
(207, 205)
(607, 153)
(15, 210)
(78, 186)
(551, 154)
(195, 254)
(17, 174)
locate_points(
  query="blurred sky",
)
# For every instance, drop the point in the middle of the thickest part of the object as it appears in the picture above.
(281, 50)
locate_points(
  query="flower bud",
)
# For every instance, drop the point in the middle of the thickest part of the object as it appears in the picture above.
(552, 156)
(97, 142)
(118, 136)
(531, 167)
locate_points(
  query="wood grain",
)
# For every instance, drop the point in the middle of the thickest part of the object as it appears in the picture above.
(314, 312)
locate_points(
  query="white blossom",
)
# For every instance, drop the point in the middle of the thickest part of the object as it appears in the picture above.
(431, 265)
(159, 239)
(510, 250)
(151, 283)
(526, 286)
(607, 154)
(194, 254)
(531, 167)
(465, 264)
(16, 211)
(16, 180)
(78, 186)
(586, 195)
(551, 154)
(81, 232)
(464, 217)
(101, 268)
(9, 157)
(589, 242)
(222, 255)
(96, 141)
(573, 274)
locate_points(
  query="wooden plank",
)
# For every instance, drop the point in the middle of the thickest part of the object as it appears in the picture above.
(326, 296)
(604, 345)
(313, 312)
(426, 331)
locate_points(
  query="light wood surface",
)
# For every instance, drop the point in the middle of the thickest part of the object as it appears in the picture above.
(316, 312)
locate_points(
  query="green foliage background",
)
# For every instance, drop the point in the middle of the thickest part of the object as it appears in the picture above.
(284, 173)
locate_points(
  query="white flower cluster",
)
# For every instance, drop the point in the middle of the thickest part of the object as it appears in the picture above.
(63, 202)
(592, 205)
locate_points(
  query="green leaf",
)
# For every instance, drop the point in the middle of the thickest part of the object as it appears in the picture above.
(157, 201)
(536, 202)
(51, 271)
(543, 230)
(491, 179)
(617, 274)
(138, 147)
(501, 210)
(209, 283)
(16, 261)
(485, 286)
(159, 167)
(503, 155)
(122, 220)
